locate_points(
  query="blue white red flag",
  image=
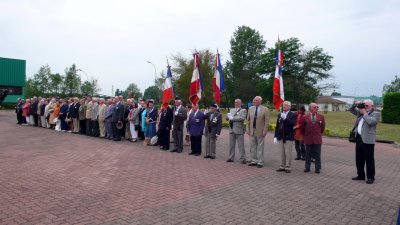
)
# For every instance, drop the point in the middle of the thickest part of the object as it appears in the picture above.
(218, 81)
(279, 95)
(196, 85)
(168, 92)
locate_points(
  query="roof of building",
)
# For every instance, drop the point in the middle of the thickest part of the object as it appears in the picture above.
(328, 99)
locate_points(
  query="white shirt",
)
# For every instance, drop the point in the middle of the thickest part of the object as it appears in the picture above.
(360, 124)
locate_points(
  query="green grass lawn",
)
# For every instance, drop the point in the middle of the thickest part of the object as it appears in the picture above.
(339, 124)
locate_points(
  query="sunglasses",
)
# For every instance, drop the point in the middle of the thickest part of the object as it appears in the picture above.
(315, 107)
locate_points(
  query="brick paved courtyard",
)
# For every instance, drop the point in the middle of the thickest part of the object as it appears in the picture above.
(49, 177)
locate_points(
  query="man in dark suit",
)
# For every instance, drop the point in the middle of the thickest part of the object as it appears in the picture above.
(365, 125)
(284, 136)
(212, 130)
(18, 110)
(164, 126)
(195, 126)
(74, 114)
(178, 121)
(313, 125)
(142, 107)
(117, 117)
(33, 111)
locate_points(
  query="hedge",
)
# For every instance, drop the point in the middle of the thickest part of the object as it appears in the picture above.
(391, 108)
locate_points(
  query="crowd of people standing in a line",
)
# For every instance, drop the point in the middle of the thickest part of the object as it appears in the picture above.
(117, 119)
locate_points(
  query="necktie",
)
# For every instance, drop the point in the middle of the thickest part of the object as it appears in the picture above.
(255, 117)
(313, 118)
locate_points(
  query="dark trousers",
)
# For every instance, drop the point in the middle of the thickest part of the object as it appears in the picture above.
(36, 119)
(195, 142)
(116, 132)
(300, 149)
(109, 130)
(140, 133)
(19, 117)
(88, 127)
(64, 125)
(164, 138)
(82, 126)
(313, 151)
(122, 130)
(365, 155)
(95, 128)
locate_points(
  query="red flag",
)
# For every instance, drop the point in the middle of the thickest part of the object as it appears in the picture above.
(196, 83)
(279, 95)
(168, 92)
(218, 81)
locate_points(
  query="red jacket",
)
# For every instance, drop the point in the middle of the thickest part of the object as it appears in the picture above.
(313, 132)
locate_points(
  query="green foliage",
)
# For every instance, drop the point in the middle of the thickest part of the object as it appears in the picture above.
(132, 91)
(336, 94)
(247, 46)
(391, 108)
(72, 81)
(183, 71)
(392, 87)
(304, 71)
(153, 92)
(90, 87)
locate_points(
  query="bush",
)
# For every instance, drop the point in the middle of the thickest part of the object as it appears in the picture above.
(391, 108)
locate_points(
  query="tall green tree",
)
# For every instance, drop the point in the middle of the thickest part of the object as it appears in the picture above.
(394, 86)
(90, 87)
(247, 46)
(56, 84)
(153, 92)
(182, 74)
(304, 71)
(72, 81)
(132, 91)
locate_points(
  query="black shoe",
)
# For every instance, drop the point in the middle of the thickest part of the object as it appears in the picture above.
(192, 153)
(317, 171)
(212, 157)
(179, 151)
(298, 158)
(207, 156)
(252, 164)
(370, 181)
(304, 159)
(287, 171)
(306, 170)
(244, 161)
(357, 178)
(259, 166)
(162, 148)
(175, 150)
(280, 170)
(197, 154)
(117, 139)
(229, 160)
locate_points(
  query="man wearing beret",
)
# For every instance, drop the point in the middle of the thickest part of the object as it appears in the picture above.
(212, 130)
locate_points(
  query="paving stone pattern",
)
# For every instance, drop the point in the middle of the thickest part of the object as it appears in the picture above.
(49, 177)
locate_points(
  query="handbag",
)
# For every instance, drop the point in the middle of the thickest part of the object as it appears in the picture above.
(352, 136)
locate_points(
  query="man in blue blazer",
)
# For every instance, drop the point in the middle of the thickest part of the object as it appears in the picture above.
(195, 126)
(284, 136)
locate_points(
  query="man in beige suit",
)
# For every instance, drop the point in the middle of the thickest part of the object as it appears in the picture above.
(257, 127)
(102, 118)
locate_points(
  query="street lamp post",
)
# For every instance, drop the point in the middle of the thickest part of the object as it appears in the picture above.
(155, 71)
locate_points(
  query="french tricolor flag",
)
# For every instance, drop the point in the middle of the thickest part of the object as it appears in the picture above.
(218, 81)
(168, 92)
(279, 95)
(196, 85)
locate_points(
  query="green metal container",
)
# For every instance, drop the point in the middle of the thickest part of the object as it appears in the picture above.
(13, 77)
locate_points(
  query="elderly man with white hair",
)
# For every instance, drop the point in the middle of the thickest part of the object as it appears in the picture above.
(365, 127)
(257, 127)
(102, 117)
(284, 136)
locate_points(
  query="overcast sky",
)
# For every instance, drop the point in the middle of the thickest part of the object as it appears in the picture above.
(113, 40)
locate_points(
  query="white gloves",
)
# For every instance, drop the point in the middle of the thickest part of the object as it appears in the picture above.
(275, 141)
(176, 113)
(283, 116)
(229, 115)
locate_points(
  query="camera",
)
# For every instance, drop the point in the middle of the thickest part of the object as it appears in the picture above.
(361, 105)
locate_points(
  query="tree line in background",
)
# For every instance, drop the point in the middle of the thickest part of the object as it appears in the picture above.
(391, 100)
(46, 83)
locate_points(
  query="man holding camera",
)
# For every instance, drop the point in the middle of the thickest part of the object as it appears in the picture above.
(365, 128)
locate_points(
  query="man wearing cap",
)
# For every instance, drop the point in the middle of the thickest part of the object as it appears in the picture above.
(257, 127)
(195, 126)
(236, 117)
(178, 122)
(212, 130)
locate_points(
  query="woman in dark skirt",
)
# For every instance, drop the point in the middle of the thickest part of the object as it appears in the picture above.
(151, 120)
